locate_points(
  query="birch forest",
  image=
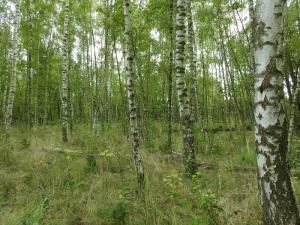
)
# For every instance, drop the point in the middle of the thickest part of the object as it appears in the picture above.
(149, 112)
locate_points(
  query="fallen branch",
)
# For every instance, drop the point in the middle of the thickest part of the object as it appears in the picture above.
(62, 150)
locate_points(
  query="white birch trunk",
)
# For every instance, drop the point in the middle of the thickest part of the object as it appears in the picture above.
(191, 58)
(276, 193)
(135, 138)
(185, 115)
(65, 83)
(13, 78)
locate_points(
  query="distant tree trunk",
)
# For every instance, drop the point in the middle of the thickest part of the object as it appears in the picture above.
(13, 78)
(185, 115)
(170, 72)
(294, 97)
(90, 97)
(276, 193)
(29, 68)
(121, 89)
(131, 97)
(293, 117)
(45, 119)
(106, 67)
(5, 76)
(65, 83)
(252, 36)
(298, 16)
(36, 98)
(70, 105)
(6, 87)
(96, 121)
(46, 107)
(298, 22)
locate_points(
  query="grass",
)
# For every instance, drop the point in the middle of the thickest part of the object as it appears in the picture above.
(91, 181)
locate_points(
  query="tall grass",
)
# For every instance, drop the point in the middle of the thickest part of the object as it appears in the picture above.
(91, 181)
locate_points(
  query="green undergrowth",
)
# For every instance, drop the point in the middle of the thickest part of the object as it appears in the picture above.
(91, 180)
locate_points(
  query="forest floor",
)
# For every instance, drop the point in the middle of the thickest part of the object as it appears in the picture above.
(91, 181)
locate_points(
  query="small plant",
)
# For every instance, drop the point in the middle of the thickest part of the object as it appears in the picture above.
(119, 211)
(36, 215)
(196, 177)
(25, 142)
(200, 220)
(6, 156)
(208, 203)
(91, 164)
(173, 183)
(107, 154)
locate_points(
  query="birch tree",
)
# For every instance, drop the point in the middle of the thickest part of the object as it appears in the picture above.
(13, 79)
(185, 115)
(29, 65)
(134, 132)
(276, 193)
(65, 82)
(191, 58)
(170, 72)
(5, 31)
(293, 116)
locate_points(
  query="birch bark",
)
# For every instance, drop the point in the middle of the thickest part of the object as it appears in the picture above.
(13, 78)
(184, 109)
(135, 137)
(276, 193)
(65, 83)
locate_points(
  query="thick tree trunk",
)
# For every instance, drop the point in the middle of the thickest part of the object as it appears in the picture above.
(65, 82)
(131, 97)
(185, 115)
(276, 193)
